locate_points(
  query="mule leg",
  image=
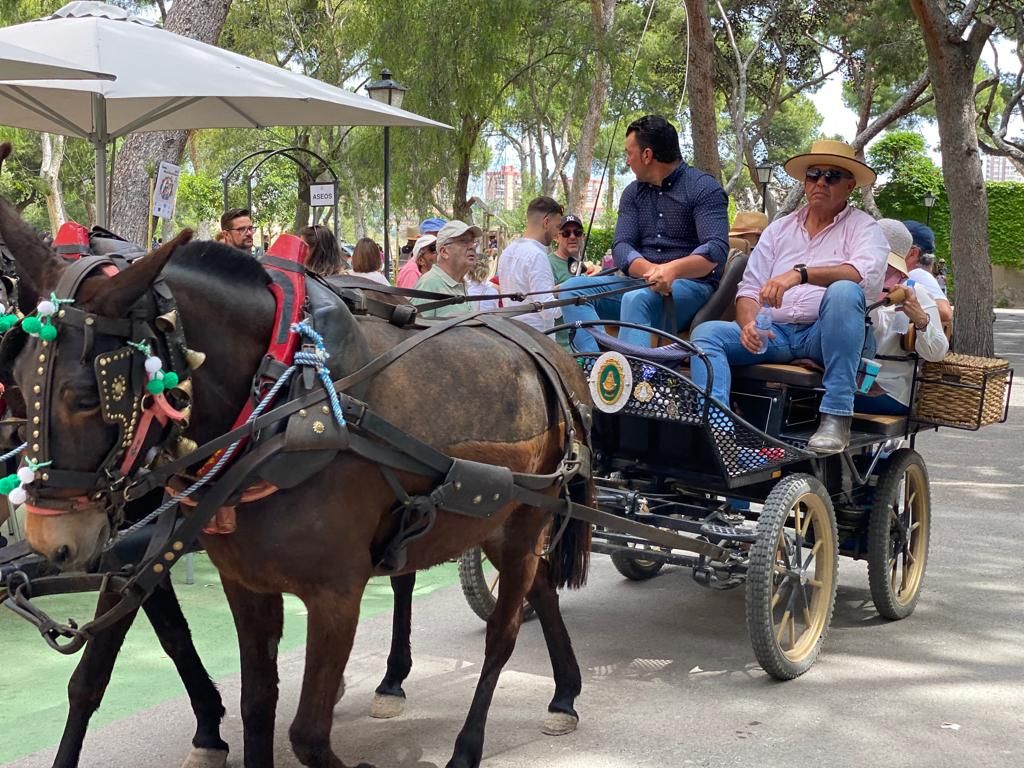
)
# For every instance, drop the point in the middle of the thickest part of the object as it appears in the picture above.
(330, 631)
(259, 619)
(562, 717)
(518, 569)
(89, 682)
(164, 613)
(389, 698)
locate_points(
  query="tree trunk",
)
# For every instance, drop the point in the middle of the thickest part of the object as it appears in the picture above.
(951, 61)
(700, 89)
(49, 170)
(141, 153)
(602, 15)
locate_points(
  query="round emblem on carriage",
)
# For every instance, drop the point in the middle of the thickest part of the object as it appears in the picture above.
(611, 381)
(643, 392)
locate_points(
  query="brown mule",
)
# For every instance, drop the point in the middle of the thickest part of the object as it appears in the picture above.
(486, 402)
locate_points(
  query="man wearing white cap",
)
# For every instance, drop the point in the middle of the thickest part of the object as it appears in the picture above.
(424, 254)
(456, 253)
(813, 269)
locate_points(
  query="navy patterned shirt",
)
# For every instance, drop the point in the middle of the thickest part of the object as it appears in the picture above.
(687, 214)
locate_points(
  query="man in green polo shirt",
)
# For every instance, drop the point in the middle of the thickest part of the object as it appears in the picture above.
(456, 253)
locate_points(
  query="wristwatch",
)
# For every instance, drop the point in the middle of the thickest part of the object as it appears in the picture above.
(802, 269)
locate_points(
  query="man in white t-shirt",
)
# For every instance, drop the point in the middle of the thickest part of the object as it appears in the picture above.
(924, 243)
(523, 266)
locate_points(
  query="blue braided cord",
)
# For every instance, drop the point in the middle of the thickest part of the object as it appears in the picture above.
(225, 457)
(318, 360)
(15, 452)
(315, 359)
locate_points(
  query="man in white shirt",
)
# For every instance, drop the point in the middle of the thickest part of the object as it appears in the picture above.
(523, 266)
(924, 244)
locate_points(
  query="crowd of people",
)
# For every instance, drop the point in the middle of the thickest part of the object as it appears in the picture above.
(807, 283)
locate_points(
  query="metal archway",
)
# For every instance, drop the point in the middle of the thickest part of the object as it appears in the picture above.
(287, 152)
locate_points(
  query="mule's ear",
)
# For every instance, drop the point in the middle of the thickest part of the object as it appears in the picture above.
(36, 261)
(5, 151)
(116, 296)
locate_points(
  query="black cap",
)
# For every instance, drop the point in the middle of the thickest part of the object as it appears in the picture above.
(571, 219)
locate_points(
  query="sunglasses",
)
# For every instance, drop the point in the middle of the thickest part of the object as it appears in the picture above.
(832, 176)
(572, 233)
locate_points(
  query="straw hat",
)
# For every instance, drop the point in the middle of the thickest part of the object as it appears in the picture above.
(412, 233)
(838, 154)
(748, 223)
(739, 244)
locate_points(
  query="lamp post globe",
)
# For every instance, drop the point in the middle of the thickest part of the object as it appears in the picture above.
(929, 203)
(764, 175)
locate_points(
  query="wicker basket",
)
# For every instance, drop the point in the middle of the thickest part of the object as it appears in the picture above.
(962, 391)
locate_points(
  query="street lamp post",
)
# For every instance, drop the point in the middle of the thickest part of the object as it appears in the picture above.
(764, 175)
(929, 203)
(387, 91)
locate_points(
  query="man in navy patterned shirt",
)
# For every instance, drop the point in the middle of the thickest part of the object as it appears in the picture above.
(672, 232)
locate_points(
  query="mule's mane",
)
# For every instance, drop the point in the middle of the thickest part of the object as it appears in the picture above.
(220, 262)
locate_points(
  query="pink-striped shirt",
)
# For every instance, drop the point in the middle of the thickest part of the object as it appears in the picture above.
(852, 238)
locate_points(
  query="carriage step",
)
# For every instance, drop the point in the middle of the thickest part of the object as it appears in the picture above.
(719, 532)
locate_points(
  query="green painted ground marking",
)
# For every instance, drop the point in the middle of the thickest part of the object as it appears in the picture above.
(34, 678)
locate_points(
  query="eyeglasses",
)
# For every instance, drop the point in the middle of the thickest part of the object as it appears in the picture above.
(572, 233)
(831, 175)
(243, 229)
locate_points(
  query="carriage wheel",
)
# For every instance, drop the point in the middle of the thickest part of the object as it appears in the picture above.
(635, 567)
(898, 534)
(792, 576)
(479, 580)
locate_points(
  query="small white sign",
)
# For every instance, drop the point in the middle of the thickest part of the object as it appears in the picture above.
(166, 190)
(321, 195)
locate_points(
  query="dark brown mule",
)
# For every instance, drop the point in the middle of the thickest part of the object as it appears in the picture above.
(318, 540)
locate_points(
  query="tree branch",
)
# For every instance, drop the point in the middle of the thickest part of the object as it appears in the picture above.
(901, 108)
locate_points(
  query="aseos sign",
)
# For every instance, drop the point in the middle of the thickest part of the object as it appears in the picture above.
(321, 195)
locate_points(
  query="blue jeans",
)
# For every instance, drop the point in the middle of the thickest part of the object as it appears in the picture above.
(642, 306)
(837, 341)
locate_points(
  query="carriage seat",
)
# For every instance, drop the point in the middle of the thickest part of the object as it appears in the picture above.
(721, 304)
(784, 373)
(670, 356)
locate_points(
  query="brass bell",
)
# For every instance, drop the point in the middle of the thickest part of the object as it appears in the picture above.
(195, 359)
(186, 416)
(183, 389)
(167, 322)
(185, 446)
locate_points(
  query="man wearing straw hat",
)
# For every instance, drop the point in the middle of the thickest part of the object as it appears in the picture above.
(746, 230)
(813, 269)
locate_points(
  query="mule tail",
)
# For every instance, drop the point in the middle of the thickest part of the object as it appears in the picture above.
(570, 558)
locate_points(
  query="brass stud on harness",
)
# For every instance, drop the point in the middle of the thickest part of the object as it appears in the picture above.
(325, 410)
(39, 371)
(90, 321)
(169, 557)
(36, 389)
(42, 358)
(168, 322)
(158, 568)
(178, 546)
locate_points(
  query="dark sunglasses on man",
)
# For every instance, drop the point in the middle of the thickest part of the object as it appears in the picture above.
(572, 233)
(832, 176)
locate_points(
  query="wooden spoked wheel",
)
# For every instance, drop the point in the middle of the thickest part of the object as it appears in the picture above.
(792, 576)
(898, 535)
(479, 580)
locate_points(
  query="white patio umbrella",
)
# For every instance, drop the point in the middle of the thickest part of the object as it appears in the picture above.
(165, 82)
(17, 63)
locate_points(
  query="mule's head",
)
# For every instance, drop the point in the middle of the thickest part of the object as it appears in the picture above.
(75, 436)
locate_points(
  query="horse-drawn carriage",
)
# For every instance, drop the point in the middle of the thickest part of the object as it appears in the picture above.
(671, 465)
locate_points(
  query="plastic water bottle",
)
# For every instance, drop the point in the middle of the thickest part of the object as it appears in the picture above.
(763, 323)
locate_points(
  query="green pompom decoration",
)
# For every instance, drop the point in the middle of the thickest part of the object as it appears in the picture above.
(31, 325)
(155, 387)
(8, 484)
(170, 380)
(48, 332)
(7, 322)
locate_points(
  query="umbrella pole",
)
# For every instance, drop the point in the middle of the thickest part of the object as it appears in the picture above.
(99, 143)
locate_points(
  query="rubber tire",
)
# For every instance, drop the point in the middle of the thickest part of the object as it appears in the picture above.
(886, 601)
(476, 588)
(636, 568)
(761, 570)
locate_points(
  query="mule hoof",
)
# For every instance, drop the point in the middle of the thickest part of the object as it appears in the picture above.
(201, 757)
(559, 724)
(385, 707)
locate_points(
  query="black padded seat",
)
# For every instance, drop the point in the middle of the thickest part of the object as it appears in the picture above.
(669, 356)
(794, 375)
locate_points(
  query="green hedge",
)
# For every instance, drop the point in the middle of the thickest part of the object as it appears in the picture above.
(599, 242)
(1005, 220)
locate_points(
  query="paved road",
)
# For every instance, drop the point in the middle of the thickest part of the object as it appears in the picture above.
(669, 677)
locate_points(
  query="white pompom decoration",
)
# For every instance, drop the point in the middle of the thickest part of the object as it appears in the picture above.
(26, 475)
(153, 364)
(45, 308)
(3, 309)
(18, 496)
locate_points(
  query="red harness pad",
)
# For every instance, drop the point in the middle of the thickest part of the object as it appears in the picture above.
(72, 241)
(285, 264)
